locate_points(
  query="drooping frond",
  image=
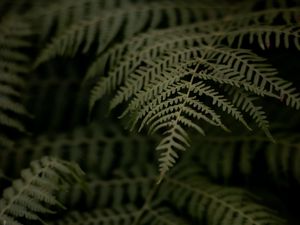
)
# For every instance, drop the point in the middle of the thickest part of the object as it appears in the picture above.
(125, 20)
(215, 204)
(13, 67)
(34, 193)
(169, 91)
(165, 76)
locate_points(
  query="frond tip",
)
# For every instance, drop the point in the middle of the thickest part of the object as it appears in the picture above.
(34, 191)
(174, 141)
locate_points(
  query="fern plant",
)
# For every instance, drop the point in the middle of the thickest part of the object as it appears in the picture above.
(185, 78)
(27, 196)
(178, 77)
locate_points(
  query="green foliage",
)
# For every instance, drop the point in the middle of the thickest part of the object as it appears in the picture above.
(172, 79)
(227, 155)
(185, 77)
(217, 205)
(26, 198)
(13, 68)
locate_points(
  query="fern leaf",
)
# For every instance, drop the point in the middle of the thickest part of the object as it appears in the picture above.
(93, 147)
(129, 187)
(174, 141)
(282, 158)
(155, 102)
(96, 28)
(246, 102)
(218, 205)
(13, 65)
(219, 156)
(27, 196)
(231, 27)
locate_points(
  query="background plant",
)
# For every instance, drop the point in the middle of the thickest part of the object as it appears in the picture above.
(174, 69)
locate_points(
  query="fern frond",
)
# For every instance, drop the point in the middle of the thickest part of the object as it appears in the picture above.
(175, 140)
(93, 147)
(158, 80)
(27, 196)
(103, 29)
(62, 15)
(261, 75)
(156, 91)
(254, 25)
(13, 65)
(122, 188)
(246, 102)
(220, 154)
(282, 158)
(163, 110)
(215, 204)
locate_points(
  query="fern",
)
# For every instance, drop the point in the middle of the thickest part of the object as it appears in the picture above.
(237, 26)
(164, 75)
(130, 187)
(208, 202)
(13, 67)
(165, 78)
(230, 155)
(93, 147)
(179, 69)
(159, 107)
(104, 28)
(27, 196)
